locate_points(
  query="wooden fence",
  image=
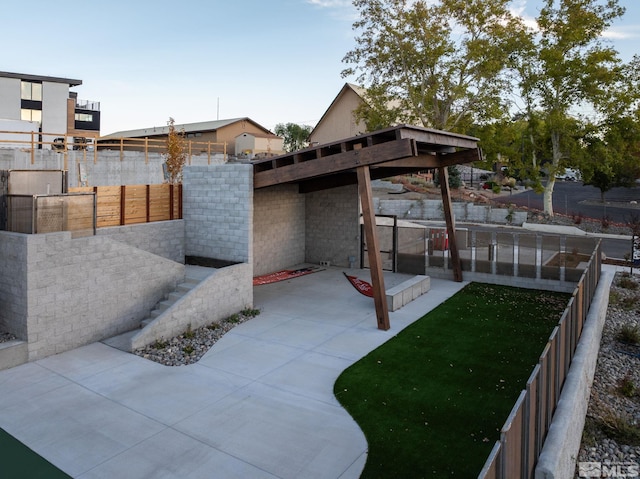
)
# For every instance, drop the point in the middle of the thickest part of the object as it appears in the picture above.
(89, 147)
(133, 204)
(516, 453)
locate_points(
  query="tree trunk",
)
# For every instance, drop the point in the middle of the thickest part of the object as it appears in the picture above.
(551, 181)
(547, 200)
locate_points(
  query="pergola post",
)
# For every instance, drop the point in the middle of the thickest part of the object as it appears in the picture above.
(443, 175)
(373, 247)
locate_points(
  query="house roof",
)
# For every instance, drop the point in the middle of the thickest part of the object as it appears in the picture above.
(260, 135)
(358, 90)
(40, 78)
(187, 127)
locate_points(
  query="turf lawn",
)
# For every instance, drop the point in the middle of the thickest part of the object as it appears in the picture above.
(17, 461)
(432, 400)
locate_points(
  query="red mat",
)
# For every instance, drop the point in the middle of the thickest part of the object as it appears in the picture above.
(361, 285)
(283, 275)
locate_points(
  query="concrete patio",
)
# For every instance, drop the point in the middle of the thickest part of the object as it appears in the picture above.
(259, 404)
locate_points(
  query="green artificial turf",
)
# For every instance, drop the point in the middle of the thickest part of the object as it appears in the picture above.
(432, 400)
(17, 461)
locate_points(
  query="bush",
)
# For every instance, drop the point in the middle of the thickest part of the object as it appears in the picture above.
(628, 334)
(627, 283)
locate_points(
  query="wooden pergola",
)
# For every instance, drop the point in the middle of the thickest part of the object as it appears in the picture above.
(384, 153)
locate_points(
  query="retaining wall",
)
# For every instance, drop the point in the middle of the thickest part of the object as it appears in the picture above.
(432, 210)
(278, 228)
(70, 292)
(162, 238)
(110, 168)
(218, 212)
(225, 292)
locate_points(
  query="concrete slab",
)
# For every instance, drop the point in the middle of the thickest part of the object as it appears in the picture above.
(259, 404)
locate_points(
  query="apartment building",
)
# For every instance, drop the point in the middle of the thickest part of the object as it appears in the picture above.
(48, 102)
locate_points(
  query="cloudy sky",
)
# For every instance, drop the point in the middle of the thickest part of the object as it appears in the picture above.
(148, 60)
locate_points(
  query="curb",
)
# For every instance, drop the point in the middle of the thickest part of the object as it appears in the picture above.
(560, 450)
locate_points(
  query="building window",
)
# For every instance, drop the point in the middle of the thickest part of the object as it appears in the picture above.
(31, 91)
(31, 115)
(86, 117)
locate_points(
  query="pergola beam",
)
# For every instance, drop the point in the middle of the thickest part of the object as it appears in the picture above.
(373, 248)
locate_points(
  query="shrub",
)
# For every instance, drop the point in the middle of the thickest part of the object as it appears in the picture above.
(628, 334)
(188, 333)
(621, 428)
(627, 387)
(627, 283)
(159, 344)
(188, 349)
(250, 312)
(234, 318)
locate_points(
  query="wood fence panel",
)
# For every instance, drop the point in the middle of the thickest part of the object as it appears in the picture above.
(511, 440)
(108, 206)
(490, 469)
(135, 204)
(532, 422)
(159, 202)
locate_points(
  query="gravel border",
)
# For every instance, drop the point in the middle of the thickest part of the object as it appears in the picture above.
(618, 364)
(6, 337)
(191, 345)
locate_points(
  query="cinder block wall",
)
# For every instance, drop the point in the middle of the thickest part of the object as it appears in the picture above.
(110, 168)
(162, 238)
(333, 226)
(279, 228)
(218, 211)
(13, 284)
(86, 289)
(227, 291)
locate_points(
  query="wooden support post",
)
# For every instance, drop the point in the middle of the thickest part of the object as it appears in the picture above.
(375, 263)
(443, 175)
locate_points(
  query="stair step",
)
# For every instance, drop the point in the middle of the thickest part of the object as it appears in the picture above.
(175, 296)
(146, 321)
(155, 313)
(121, 341)
(164, 305)
(185, 287)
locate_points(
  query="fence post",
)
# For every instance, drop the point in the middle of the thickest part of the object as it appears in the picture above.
(123, 190)
(33, 148)
(148, 202)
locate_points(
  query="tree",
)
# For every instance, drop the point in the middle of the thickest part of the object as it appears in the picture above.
(436, 64)
(612, 157)
(176, 155)
(296, 137)
(564, 65)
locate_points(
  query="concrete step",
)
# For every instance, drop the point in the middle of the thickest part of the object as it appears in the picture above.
(146, 321)
(175, 295)
(121, 341)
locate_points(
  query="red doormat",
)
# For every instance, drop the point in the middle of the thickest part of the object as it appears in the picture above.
(361, 285)
(282, 275)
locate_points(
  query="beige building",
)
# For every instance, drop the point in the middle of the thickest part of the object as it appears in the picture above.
(219, 131)
(257, 145)
(339, 122)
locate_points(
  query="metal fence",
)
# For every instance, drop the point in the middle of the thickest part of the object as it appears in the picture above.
(531, 257)
(33, 214)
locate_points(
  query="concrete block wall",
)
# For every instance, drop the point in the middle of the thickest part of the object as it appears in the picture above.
(279, 228)
(218, 211)
(333, 226)
(432, 210)
(86, 289)
(13, 284)
(225, 292)
(109, 169)
(162, 238)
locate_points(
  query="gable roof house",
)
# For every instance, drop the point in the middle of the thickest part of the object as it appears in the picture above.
(218, 131)
(339, 122)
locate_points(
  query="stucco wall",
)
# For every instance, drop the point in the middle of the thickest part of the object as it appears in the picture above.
(333, 226)
(279, 228)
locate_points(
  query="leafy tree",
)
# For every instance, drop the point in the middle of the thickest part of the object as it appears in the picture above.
(438, 64)
(296, 137)
(612, 156)
(563, 65)
(176, 155)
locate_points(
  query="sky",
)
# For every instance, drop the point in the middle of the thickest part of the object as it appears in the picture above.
(145, 61)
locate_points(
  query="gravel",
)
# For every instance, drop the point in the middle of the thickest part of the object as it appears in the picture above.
(191, 345)
(612, 429)
(4, 337)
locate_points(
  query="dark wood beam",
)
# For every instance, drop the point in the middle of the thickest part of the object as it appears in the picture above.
(373, 247)
(443, 175)
(337, 163)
